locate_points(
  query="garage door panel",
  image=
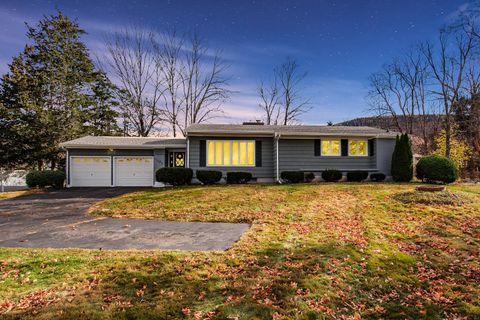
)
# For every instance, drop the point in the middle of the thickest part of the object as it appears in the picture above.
(133, 171)
(90, 171)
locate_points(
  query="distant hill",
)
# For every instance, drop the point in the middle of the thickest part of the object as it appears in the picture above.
(432, 125)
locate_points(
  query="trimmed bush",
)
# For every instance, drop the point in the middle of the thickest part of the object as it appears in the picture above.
(433, 169)
(377, 177)
(47, 178)
(402, 159)
(209, 176)
(174, 176)
(309, 177)
(331, 175)
(357, 176)
(238, 177)
(292, 176)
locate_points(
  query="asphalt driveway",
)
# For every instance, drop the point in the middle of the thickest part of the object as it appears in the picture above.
(58, 219)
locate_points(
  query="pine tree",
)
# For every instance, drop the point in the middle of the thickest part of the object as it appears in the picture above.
(402, 159)
(100, 114)
(50, 90)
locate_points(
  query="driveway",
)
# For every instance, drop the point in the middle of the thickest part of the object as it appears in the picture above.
(58, 219)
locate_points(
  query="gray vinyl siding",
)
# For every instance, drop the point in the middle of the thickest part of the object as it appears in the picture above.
(298, 154)
(159, 159)
(384, 155)
(265, 171)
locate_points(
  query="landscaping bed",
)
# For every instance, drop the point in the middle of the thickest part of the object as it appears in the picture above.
(314, 251)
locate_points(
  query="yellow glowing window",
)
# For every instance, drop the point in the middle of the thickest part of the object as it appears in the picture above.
(250, 153)
(230, 153)
(357, 148)
(218, 152)
(330, 147)
(226, 153)
(211, 152)
(235, 161)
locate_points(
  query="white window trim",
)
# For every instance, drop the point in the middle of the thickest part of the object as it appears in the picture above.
(357, 146)
(331, 155)
(231, 154)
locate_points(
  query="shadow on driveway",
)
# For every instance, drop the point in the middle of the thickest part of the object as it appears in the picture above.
(58, 219)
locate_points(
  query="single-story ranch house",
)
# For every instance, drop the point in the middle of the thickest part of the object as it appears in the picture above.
(263, 150)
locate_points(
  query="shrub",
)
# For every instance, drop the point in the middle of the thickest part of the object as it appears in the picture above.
(402, 159)
(331, 175)
(436, 169)
(175, 176)
(292, 176)
(238, 177)
(47, 178)
(377, 177)
(309, 177)
(209, 176)
(357, 176)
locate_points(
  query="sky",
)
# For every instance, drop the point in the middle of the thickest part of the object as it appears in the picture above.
(338, 43)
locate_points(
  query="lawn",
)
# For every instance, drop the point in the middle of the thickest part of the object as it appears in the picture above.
(335, 251)
(13, 194)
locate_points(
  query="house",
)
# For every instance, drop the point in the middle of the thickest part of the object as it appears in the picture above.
(263, 150)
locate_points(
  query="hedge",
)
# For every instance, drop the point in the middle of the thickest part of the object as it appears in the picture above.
(357, 176)
(331, 175)
(433, 169)
(238, 177)
(209, 176)
(175, 176)
(292, 176)
(47, 178)
(377, 177)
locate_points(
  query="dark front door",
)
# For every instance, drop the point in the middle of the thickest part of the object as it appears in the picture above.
(177, 159)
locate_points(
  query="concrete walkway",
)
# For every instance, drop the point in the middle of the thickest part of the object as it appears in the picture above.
(57, 219)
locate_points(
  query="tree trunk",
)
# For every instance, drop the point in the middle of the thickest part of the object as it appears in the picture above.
(448, 130)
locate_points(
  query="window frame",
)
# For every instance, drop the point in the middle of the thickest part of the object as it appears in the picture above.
(231, 165)
(330, 144)
(357, 148)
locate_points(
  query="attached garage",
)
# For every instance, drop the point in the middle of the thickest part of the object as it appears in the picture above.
(133, 171)
(95, 161)
(90, 171)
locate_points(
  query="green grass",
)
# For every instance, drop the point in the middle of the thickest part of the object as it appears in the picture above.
(314, 251)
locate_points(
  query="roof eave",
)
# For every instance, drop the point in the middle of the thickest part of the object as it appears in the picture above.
(86, 146)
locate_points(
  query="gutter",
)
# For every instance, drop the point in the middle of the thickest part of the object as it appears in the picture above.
(84, 146)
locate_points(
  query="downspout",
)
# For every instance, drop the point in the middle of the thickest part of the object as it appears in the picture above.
(277, 137)
(67, 170)
(188, 153)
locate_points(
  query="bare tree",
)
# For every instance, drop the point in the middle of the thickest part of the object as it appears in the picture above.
(167, 57)
(389, 95)
(204, 84)
(269, 96)
(290, 82)
(448, 64)
(137, 75)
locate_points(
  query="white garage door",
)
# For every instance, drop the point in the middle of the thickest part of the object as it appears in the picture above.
(133, 171)
(90, 171)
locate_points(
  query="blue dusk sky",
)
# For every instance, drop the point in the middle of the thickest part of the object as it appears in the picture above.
(339, 43)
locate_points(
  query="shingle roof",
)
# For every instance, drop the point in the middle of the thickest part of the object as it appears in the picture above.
(124, 142)
(289, 130)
